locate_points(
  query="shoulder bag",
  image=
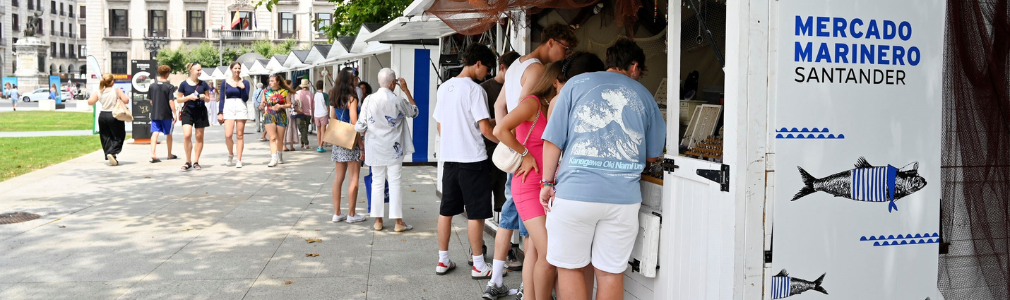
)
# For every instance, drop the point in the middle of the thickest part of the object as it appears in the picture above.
(341, 133)
(507, 159)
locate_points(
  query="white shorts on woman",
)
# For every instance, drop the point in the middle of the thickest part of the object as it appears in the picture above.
(235, 109)
(581, 232)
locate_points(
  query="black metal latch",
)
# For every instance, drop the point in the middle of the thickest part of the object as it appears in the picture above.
(669, 165)
(720, 176)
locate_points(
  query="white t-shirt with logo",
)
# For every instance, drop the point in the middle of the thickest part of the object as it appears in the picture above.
(461, 103)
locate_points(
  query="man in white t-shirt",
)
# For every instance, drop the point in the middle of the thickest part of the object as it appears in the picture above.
(462, 116)
(321, 113)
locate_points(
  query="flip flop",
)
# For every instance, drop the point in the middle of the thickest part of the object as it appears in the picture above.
(173, 157)
(155, 160)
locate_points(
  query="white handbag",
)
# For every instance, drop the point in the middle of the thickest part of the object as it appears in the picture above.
(508, 160)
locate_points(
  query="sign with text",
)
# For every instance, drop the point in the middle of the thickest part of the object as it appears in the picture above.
(857, 118)
(141, 79)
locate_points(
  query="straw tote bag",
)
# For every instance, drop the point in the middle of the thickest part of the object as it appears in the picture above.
(340, 133)
(507, 159)
(121, 112)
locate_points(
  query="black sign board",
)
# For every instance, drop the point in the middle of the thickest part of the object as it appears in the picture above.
(143, 72)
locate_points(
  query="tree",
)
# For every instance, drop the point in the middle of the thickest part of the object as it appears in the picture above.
(350, 15)
(268, 49)
(174, 59)
(204, 53)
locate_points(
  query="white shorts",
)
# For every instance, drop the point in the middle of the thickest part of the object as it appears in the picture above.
(582, 232)
(235, 109)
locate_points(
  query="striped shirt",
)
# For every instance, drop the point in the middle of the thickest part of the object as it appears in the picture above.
(874, 184)
(780, 287)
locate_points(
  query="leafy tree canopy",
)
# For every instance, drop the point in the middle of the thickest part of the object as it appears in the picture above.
(349, 15)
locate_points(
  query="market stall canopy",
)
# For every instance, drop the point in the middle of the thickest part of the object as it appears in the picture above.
(476, 17)
(249, 58)
(318, 53)
(276, 63)
(341, 46)
(411, 28)
(220, 73)
(297, 57)
(205, 76)
(259, 67)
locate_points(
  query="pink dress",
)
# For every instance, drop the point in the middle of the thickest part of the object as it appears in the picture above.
(527, 194)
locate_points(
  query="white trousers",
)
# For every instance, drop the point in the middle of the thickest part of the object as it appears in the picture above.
(391, 173)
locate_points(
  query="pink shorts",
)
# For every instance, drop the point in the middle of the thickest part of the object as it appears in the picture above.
(527, 196)
(322, 121)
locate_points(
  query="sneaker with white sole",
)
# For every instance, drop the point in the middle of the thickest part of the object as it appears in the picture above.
(338, 218)
(520, 292)
(238, 164)
(231, 161)
(493, 291)
(442, 268)
(280, 158)
(477, 274)
(355, 219)
(272, 163)
(112, 160)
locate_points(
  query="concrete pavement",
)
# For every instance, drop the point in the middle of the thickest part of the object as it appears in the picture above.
(149, 231)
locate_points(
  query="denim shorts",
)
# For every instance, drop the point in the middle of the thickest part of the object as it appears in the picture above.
(509, 215)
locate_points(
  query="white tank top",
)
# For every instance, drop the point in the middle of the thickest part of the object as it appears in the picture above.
(513, 81)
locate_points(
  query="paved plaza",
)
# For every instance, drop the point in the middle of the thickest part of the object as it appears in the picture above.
(149, 231)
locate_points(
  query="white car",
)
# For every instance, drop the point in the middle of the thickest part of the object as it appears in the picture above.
(41, 94)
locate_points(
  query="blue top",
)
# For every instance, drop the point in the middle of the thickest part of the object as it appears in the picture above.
(258, 97)
(229, 91)
(344, 114)
(606, 125)
(186, 89)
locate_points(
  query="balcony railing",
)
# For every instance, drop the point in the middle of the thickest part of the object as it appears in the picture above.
(117, 33)
(278, 35)
(189, 34)
(156, 33)
(62, 13)
(72, 35)
(63, 55)
(241, 35)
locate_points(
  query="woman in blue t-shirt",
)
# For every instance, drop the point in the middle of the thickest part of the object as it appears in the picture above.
(193, 93)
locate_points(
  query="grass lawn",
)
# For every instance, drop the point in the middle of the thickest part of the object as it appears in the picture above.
(45, 121)
(23, 155)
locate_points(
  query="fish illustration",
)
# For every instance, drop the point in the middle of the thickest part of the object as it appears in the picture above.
(392, 121)
(397, 149)
(784, 286)
(866, 183)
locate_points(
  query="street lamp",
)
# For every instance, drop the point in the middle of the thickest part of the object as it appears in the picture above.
(153, 44)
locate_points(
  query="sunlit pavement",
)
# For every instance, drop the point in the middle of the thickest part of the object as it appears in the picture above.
(149, 231)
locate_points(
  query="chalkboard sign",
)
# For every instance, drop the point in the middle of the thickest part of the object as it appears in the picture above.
(143, 76)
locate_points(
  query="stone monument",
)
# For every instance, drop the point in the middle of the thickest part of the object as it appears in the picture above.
(28, 51)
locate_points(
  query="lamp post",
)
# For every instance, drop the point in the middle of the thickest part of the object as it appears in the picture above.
(153, 44)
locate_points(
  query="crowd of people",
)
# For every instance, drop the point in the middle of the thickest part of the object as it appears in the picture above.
(578, 215)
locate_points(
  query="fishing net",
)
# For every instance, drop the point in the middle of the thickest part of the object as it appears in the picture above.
(974, 259)
(472, 17)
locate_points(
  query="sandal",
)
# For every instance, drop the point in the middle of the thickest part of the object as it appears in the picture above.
(155, 160)
(196, 166)
(187, 166)
(173, 157)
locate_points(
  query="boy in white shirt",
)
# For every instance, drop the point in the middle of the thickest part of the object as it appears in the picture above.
(462, 116)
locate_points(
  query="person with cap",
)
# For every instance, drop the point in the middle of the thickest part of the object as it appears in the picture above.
(303, 111)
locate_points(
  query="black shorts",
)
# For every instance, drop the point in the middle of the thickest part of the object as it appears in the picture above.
(196, 117)
(466, 186)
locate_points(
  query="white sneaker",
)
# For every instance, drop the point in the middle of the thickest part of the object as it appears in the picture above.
(112, 160)
(231, 161)
(273, 162)
(477, 274)
(280, 158)
(355, 219)
(238, 164)
(338, 218)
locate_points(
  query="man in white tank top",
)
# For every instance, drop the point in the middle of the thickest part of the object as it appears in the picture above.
(557, 42)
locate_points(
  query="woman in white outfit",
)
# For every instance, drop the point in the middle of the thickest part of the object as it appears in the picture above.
(383, 123)
(233, 111)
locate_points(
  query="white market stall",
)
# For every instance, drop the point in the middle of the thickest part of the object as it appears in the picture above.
(781, 89)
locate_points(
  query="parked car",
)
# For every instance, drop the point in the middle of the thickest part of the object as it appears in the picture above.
(36, 95)
(65, 96)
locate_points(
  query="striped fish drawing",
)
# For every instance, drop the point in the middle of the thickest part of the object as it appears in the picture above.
(784, 286)
(866, 183)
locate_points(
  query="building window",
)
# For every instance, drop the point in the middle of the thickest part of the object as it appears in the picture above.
(82, 50)
(63, 50)
(84, 31)
(62, 12)
(38, 4)
(52, 47)
(244, 20)
(70, 11)
(14, 3)
(62, 26)
(52, 9)
(157, 22)
(118, 22)
(84, 12)
(195, 24)
(15, 22)
(119, 62)
(71, 48)
(323, 20)
(52, 24)
(287, 29)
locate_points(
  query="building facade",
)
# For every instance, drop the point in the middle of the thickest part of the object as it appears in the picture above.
(62, 22)
(121, 30)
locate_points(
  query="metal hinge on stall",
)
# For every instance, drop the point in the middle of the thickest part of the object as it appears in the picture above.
(768, 256)
(720, 176)
(669, 165)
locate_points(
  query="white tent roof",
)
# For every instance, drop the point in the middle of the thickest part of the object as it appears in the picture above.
(205, 76)
(413, 28)
(317, 53)
(276, 63)
(341, 46)
(220, 73)
(259, 68)
(295, 58)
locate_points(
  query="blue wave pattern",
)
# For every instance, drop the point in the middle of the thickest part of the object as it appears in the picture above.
(902, 239)
(807, 133)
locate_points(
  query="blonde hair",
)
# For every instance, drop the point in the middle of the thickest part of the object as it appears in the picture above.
(107, 81)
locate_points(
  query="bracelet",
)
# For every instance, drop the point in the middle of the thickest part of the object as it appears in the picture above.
(545, 183)
(526, 152)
